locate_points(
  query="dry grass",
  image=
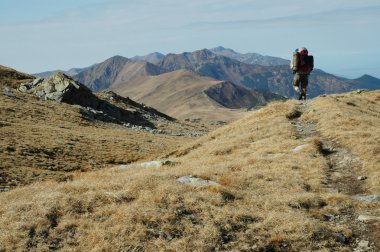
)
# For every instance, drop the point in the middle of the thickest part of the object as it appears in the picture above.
(42, 140)
(12, 78)
(179, 94)
(270, 198)
(353, 121)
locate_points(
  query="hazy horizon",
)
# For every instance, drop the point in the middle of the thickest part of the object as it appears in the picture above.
(39, 36)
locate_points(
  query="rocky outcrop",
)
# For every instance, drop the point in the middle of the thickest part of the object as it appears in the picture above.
(61, 88)
(105, 106)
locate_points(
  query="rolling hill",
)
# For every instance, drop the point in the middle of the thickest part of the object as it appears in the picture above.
(185, 94)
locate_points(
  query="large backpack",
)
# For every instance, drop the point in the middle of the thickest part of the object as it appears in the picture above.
(302, 62)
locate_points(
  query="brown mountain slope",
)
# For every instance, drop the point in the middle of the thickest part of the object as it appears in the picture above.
(101, 76)
(233, 96)
(12, 78)
(133, 70)
(43, 139)
(113, 71)
(287, 176)
(180, 94)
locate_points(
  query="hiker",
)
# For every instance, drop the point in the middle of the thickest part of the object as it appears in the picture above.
(302, 64)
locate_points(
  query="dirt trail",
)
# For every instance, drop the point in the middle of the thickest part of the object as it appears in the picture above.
(340, 176)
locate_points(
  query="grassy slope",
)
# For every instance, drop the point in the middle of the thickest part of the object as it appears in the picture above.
(12, 78)
(271, 198)
(48, 140)
(353, 121)
(178, 94)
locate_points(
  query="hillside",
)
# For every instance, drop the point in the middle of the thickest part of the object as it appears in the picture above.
(59, 127)
(12, 78)
(287, 177)
(183, 94)
(101, 76)
(113, 71)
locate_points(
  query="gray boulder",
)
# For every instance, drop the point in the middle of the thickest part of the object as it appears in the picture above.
(61, 88)
(25, 87)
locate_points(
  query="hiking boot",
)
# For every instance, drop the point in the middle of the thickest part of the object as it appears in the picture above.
(296, 88)
(302, 97)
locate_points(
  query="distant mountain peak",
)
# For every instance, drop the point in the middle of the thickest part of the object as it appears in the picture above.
(221, 49)
(366, 77)
(250, 58)
(117, 58)
(153, 58)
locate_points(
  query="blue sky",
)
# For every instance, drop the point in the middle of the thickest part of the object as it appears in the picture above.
(41, 35)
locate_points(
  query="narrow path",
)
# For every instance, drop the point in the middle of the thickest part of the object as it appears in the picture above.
(340, 176)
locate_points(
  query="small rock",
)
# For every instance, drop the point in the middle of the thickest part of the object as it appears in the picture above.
(299, 148)
(363, 244)
(8, 92)
(342, 238)
(362, 178)
(358, 91)
(36, 82)
(366, 218)
(329, 217)
(40, 94)
(150, 164)
(190, 180)
(368, 198)
(23, 88)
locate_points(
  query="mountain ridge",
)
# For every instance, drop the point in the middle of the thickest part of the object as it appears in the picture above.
(275, 78)
(153, 58)
(250, 58)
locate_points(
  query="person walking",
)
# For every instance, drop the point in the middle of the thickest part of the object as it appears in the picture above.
(302, 64)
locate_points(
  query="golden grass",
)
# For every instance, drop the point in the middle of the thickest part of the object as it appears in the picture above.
(12, 78)
(270, 199)
(43, 140)
(179, 94)
(353, 120)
